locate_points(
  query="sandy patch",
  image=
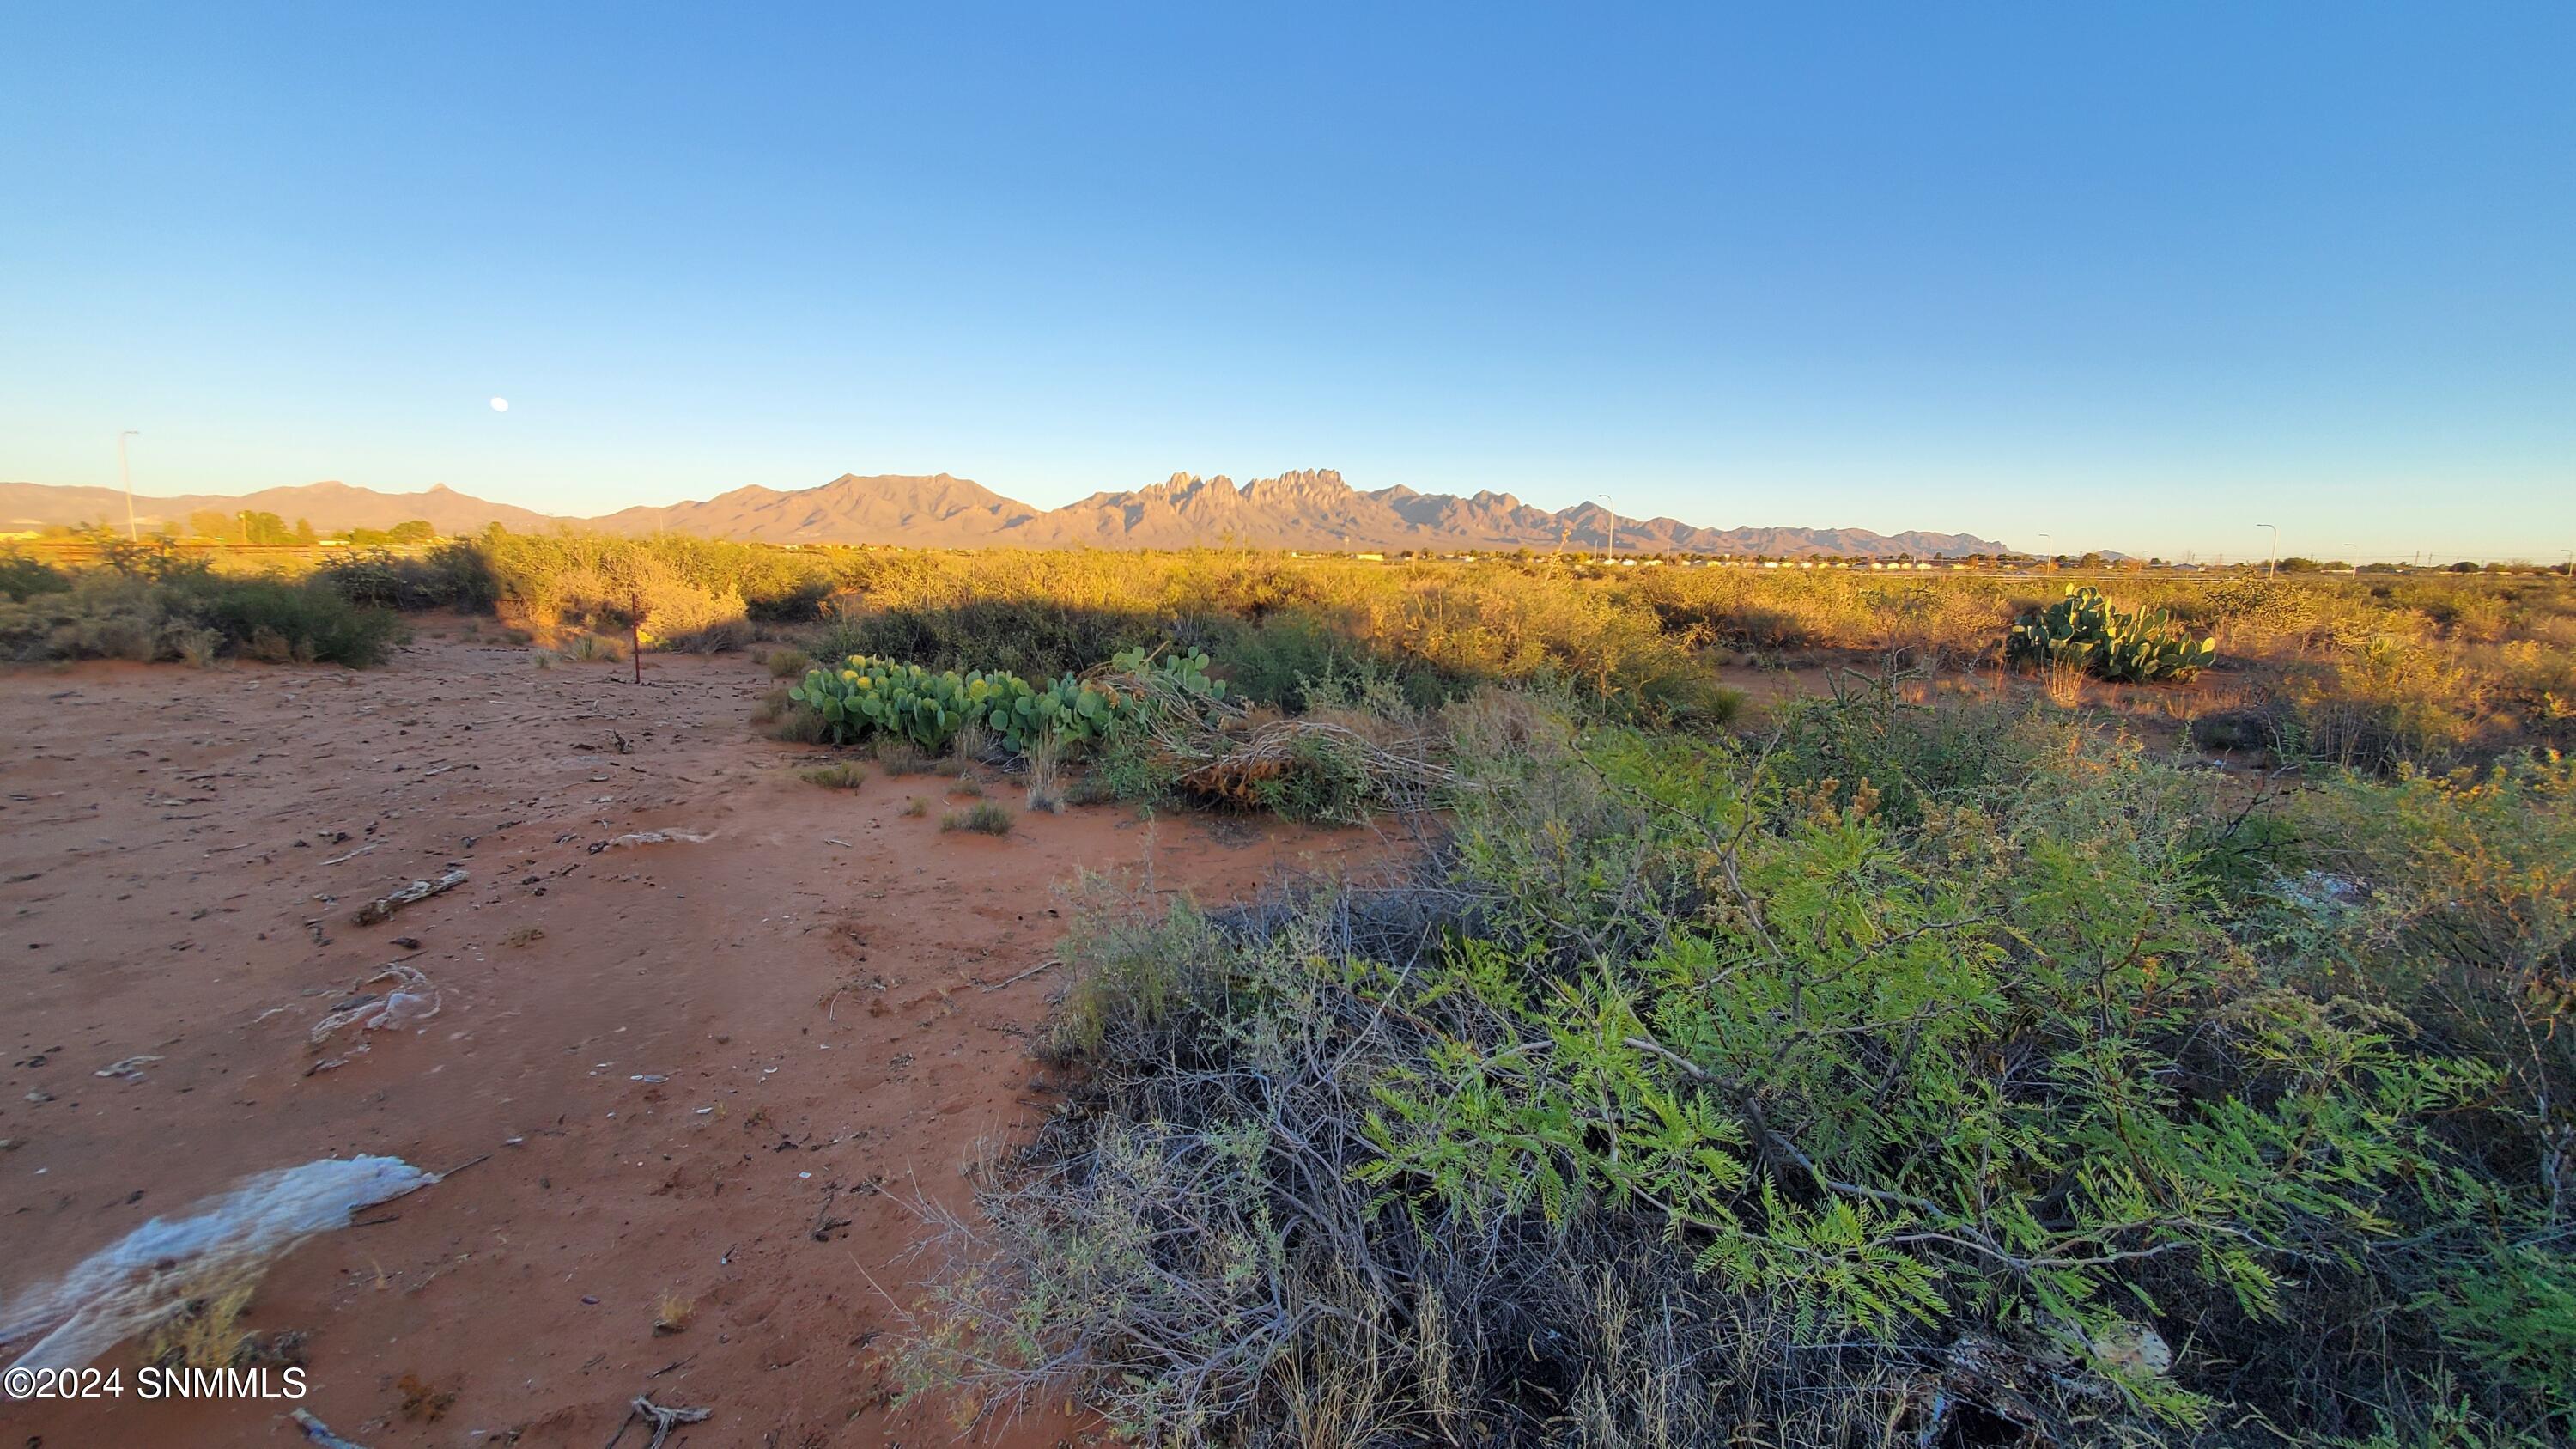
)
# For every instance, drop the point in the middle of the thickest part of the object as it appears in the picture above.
(705, 1069)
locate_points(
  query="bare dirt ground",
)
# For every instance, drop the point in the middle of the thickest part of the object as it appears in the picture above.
(675, 1068)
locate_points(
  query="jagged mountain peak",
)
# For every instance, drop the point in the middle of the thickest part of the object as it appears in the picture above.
(1299, 508)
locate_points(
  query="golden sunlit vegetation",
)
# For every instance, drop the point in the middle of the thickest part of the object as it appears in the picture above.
(2370, 669)
(2154, 1024)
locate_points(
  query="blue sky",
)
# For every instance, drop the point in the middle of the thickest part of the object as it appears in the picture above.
(2129, 276)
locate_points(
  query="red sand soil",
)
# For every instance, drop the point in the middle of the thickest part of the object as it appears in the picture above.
(671, 1060)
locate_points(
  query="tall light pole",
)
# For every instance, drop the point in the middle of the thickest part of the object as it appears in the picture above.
(127, 478)
(1614, 526)
(2275, 566)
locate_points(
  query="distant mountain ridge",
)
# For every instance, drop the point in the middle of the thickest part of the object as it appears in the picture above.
(1305, 509)
(327, 506)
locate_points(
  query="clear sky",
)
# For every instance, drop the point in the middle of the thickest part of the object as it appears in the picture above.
(2133, 276)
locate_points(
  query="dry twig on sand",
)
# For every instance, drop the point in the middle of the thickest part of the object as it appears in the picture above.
(383, 907)
(662, 1419)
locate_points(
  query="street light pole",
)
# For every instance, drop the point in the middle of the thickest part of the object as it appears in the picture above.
(2275, 566)
(127, 478)
(1614, 527)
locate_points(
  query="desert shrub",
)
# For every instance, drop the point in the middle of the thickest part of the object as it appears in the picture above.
(1704, 1090)
(1354, 687)
(672, 593)
(557, 577)
(1272, 661)
(1032, 636)
(788, 663)
(898, 756)
(842, 776)
(785, 719)
(1321, 777)
(2382, 704)
(22, 574)
(1128, 770)
(194, 615)
(588, 648)
(983, 818)
(2254, 613)
(1863, 744)
(299, 622)
(450, 575)
(104, 615)
(2453, 900)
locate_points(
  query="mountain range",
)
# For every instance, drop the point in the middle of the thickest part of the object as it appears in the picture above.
(1310, 509)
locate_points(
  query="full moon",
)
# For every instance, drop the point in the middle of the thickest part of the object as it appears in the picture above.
(500, 405)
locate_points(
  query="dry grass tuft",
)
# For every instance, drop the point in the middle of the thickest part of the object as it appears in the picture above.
(671, 1313)
(847, 775)
(207, 1333)
(986, 818)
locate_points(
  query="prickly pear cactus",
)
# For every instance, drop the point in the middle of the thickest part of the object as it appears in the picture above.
(866, 697)
(2084, 630)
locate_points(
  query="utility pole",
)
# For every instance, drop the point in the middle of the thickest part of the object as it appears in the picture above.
(2275, 566)
(1614, 526)
(127, 478)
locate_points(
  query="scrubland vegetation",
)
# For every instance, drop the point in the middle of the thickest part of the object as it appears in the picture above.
(1952, 1055)
(1897, 1075)
(2368, 670)
(149, 606)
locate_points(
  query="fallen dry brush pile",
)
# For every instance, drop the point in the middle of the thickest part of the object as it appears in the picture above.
(1247, 767)
(1862, 1088)
(1314, 768)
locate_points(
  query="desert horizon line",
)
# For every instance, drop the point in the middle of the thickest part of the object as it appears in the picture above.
(1587, 510)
